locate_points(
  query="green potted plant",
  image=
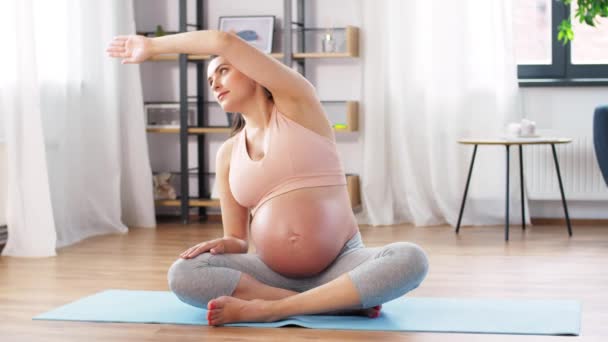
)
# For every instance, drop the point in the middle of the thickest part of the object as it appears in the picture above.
(587, 12)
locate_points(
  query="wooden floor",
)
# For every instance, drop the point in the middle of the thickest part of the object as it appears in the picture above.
(540, 263)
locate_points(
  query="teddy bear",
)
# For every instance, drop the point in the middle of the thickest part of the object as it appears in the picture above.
(162, 186)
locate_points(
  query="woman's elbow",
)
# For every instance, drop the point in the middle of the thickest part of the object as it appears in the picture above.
(221, 41)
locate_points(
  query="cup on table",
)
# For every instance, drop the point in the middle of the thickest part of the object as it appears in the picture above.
(527, 128)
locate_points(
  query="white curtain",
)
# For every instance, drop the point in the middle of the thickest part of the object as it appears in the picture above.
(436, 71)
(78, 161)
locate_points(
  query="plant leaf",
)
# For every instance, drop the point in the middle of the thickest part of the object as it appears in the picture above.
(570, 35)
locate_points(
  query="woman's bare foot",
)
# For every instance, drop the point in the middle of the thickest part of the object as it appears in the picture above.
(373, 312)
(226, 309)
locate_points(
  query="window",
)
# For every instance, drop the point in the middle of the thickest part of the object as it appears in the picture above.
(591, 43)
(540, 55)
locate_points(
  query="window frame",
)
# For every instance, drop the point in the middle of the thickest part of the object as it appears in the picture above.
(562, 70)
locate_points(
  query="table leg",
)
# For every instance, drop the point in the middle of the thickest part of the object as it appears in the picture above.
(561, 189)
(507, 198)
(466, 188)
(521, 180)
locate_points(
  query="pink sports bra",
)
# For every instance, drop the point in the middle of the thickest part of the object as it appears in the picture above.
(295, 157)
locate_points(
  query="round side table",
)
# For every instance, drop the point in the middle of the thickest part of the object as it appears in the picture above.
(520, 142)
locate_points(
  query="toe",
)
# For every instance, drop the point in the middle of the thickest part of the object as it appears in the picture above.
(214, 314)
(211, 318)
(375, 313)
(217, 303)
(215, 321)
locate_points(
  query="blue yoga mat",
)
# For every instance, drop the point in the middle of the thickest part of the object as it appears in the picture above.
(497, 316)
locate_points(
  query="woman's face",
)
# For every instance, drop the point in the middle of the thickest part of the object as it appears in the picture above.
(230, 87)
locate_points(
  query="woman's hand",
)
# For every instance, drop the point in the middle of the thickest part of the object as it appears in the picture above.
(216, 246)
(132, 49)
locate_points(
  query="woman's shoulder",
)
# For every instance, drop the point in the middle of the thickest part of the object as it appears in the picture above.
(308, 113)
(224, 153)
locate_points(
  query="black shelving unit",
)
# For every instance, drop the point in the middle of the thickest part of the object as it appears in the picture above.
(201, 116)
(290, 30)
(3, 236)
(184, 97)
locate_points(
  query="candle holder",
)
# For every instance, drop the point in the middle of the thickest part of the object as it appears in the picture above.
(328, 42)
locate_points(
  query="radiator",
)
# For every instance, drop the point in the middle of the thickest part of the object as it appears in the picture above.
(581, 175)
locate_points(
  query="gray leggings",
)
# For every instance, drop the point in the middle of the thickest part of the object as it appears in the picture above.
(380, 274)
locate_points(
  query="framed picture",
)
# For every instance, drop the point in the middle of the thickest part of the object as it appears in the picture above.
(256, 30)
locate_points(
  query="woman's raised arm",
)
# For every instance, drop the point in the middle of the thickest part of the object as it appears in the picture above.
(281, 80)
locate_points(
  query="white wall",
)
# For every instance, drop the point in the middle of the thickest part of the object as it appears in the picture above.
(567, 110)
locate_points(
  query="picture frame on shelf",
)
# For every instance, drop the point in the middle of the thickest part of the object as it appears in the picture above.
(256, 30)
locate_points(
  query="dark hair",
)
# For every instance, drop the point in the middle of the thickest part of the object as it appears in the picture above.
(236, 120)
(237, 123)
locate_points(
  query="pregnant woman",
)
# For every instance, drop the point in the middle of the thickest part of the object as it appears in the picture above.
(282, 184)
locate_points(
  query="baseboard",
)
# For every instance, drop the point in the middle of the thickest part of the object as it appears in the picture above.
(578, 209)
(213, 218)
(551, 221)
(193, 218)
(217, 218)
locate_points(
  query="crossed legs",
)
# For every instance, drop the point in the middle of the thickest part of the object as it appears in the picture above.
(239, 287)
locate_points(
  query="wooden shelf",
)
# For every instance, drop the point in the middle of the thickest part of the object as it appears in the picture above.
(352, 118)
(352, 124)
(351, 51)
(174, 57)
(307, 55)
(191, 130)
(193, 203)
(297, 55)
(203, 130)
(352, 184)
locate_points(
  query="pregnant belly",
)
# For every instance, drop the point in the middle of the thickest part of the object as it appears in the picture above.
(299, 233)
